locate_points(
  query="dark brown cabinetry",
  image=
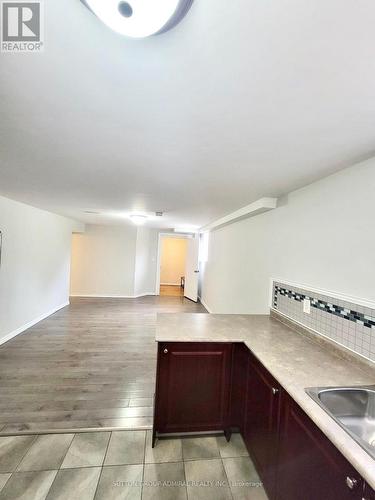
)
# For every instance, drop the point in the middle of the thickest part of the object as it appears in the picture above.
(193, 387)
(262, 422)
(309, 466)
(369, 493)
(214, 386)
(240, 362)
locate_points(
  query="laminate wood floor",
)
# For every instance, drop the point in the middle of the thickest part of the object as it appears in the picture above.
(89, 366)
(171, 290)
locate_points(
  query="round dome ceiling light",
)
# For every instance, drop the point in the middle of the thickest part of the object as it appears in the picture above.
(138, 219)
(139, 18)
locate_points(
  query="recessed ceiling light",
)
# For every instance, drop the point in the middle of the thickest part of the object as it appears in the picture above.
(138, 219)
(140, 18)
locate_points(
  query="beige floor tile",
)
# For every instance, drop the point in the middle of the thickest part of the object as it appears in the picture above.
(75, 484)
(166, 450)
(200, 447)
(12, 451)
(126, 447)
(164, 482)
(120, 483)
(206, 480)
(28, 485)
(87, 450)
(243, 479)
(46, 453)
(3, 479)
(235, 448)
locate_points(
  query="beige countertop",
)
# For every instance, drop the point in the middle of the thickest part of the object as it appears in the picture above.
(295, 360)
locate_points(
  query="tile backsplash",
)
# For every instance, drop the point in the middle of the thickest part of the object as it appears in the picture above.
(347, 323)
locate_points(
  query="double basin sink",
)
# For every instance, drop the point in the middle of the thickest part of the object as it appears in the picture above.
(353, 408)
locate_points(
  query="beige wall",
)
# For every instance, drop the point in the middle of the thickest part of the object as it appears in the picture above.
(173, 259)
(103, 261)
(114, 261)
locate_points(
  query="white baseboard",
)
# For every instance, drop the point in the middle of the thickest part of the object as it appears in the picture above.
(205, 305)
(95, 296)
(171, 284)
(22, 328)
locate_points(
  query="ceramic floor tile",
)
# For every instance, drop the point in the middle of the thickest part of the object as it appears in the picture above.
(28, 485)
(164, 482)
(87, 450)
(235, 448)
(243, 479)
(3, 479)
(166, 450)
(120, 482)
(12, 451)
(75, 484)
(46, 453)
(200, 447)
(206, 480)
(126, 448)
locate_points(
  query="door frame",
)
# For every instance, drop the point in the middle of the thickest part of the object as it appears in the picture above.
(158, 258)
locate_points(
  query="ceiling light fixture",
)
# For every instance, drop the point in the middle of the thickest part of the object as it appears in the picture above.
(138, 219)
(140, 18)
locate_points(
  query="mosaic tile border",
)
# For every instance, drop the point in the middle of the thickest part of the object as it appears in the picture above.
(330, 308)
(342, 319)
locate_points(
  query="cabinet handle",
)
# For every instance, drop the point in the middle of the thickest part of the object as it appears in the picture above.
(275, 391)
(165, 351)
(351, 483)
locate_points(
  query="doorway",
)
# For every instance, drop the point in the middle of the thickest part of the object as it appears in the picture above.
(173, 254)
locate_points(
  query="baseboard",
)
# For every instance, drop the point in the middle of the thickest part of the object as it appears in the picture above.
(171, 284)
(85, 296)
(205, 305)
(22, 328)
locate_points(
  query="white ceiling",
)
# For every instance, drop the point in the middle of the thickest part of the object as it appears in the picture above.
(242, 100)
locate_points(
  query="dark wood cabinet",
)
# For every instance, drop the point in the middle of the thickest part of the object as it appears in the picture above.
(309, 466)
(240, 361)
(369, 493)
(262, 422)
(193, 387)
(208, 386)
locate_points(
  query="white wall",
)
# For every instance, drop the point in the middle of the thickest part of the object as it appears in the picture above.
(114, 261)
(35, 269)
(322, 235)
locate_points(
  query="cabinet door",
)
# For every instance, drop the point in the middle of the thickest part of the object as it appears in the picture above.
(310, 467)
(262, 419)
(193, 387)
(239, 386)
(369, 493)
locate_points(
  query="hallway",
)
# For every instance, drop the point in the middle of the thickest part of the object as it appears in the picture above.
(90, 365)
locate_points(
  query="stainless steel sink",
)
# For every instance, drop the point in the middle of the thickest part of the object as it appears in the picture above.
(353, 408)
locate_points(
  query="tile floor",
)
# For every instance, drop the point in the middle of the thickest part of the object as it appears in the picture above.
(122, 465)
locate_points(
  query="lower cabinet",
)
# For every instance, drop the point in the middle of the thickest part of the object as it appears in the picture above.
(193, 387)
(262, 422)
(369, 493)
(309, 466)
(207, 386)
